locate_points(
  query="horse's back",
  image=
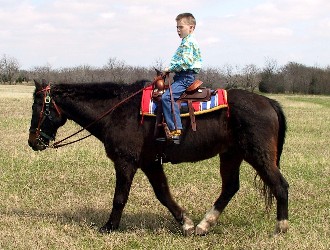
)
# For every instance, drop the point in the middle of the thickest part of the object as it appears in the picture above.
(252, 109)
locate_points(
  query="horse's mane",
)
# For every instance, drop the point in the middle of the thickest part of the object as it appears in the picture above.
(97, 90)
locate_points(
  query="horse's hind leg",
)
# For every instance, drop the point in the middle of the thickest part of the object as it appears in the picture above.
(229, 170)
(124, 176)
(158, 180)
(278, 186)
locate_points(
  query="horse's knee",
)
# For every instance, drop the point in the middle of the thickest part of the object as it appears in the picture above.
(119, 202)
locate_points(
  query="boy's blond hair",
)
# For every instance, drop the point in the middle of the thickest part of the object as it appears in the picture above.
(188, 16)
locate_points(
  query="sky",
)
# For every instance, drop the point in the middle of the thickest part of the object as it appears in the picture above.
(69, 33)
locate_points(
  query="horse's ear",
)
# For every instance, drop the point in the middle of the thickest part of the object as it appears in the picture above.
(159, 73)
(37, 84)
(44, 82)
(41, 85)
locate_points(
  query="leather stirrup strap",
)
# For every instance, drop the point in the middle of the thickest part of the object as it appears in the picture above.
(192, 115)
(159, 118)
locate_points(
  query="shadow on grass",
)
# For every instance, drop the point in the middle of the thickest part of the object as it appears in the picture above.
(87, 217)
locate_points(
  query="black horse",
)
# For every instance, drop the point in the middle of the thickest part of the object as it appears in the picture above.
(253, 129)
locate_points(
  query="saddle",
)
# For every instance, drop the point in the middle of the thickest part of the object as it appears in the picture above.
(194, 93)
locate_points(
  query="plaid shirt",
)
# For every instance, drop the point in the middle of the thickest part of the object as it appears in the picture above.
(187, 56)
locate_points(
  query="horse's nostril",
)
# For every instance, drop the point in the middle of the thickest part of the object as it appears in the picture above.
(37, 145)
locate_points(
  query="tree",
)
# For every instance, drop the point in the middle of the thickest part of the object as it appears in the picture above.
(212, 78)
(251, 77)
(299, 78)
(116, 69)
(9, 67)
(231, 75)
(42, 72)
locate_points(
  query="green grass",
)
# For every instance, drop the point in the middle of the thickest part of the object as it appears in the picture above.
(57, 199)
(324, 100)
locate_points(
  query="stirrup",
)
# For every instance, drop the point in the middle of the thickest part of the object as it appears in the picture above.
(175, 136)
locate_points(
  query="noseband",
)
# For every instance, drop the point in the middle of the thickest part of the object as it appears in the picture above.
(45, 113)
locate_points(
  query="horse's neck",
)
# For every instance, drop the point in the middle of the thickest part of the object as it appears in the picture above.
(84, 103)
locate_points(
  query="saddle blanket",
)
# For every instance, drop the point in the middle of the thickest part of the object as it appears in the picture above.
(218, 101)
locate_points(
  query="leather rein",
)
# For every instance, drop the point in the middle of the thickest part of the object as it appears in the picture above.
(45, 112)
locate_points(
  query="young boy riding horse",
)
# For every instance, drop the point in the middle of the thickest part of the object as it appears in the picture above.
(185, 63)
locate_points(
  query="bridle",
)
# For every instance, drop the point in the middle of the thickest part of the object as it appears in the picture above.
(45, 113)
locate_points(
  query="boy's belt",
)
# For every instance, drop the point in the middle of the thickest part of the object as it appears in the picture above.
(189, 71)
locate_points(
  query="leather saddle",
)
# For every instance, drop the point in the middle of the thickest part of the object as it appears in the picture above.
(194, 93)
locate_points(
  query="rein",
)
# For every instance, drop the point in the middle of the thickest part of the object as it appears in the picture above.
(58, 143)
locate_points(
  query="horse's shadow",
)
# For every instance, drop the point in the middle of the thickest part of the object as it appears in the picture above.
(95, 218)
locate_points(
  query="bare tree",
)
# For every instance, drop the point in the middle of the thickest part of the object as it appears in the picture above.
(251, 77)
(291, 78)
(159, 64)
(9, 67)
(212, 77)
(232, 76)
(270, 81)
(116, 69)
(42, 72)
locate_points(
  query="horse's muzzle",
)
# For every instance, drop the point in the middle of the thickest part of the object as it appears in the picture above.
(37, 143)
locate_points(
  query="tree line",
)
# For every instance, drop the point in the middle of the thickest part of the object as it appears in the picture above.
(292, 78)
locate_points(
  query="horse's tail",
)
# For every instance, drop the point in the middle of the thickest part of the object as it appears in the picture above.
(280, 142)
(281, 129)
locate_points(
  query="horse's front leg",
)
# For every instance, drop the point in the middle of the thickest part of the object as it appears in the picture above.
(124, 176)
(158, 180)
(229, 170)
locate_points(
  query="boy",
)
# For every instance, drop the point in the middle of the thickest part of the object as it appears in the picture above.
(185, 63)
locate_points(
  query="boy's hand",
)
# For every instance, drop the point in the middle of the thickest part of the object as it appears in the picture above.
(166, 71)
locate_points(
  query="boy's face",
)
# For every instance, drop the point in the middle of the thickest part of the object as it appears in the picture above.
(183, 28)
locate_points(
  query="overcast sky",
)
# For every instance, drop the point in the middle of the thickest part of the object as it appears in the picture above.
(67, 33)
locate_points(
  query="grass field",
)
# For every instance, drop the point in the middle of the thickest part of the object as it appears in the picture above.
(57, 199)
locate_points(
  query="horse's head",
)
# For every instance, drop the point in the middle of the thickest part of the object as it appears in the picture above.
(46, 117)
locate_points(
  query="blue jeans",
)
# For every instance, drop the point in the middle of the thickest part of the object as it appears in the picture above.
(182, 81)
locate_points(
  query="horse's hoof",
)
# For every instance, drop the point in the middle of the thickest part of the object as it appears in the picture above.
(281, 227)
(200, 231)
(105, 230)
(188, 231)
(188, 226)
